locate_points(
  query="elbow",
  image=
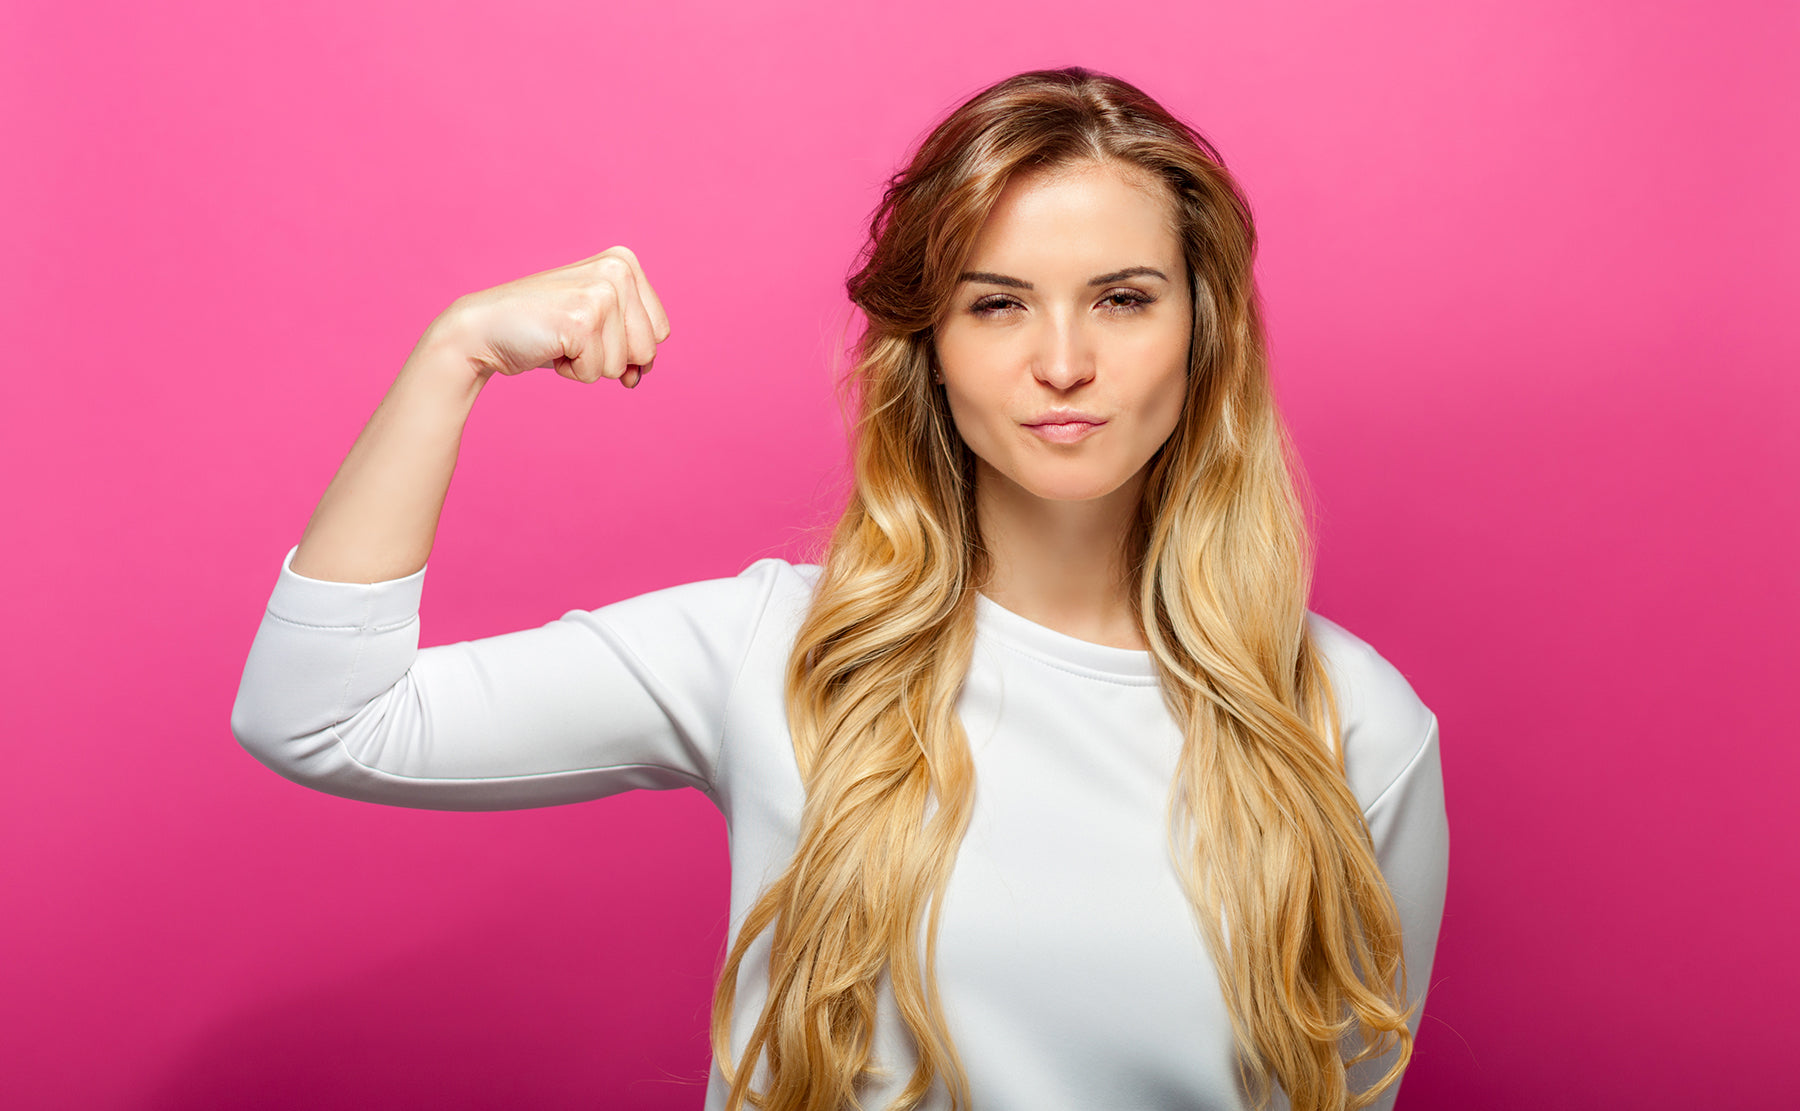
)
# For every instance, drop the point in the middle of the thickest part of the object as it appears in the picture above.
(251, 732)
(293, 754)
(270, 750)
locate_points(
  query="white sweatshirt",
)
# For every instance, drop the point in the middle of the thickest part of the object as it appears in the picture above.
(1070, 969)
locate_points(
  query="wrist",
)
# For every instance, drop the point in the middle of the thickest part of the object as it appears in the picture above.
(443, 357)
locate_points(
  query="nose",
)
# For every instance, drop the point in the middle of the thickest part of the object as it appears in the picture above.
(1065, 357)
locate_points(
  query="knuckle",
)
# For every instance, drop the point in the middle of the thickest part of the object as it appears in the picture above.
(603, 299)
(612, 266)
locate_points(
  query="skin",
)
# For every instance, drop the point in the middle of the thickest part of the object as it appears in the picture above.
(1054, 515)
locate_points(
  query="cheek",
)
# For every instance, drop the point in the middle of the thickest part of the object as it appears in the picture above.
(1165, 396)
(976, 418)
(1173, 398)
(978, 401)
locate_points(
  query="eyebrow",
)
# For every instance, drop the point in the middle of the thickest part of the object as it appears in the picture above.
(1103, 279)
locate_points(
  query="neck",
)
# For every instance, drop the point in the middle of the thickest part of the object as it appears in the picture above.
(1060, 564)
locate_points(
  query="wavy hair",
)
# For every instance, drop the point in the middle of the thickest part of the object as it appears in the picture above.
(1271, 846)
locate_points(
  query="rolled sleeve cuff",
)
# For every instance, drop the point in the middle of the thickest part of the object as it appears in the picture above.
(318, 602)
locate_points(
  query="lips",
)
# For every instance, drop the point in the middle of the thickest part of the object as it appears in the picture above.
(1065, 426)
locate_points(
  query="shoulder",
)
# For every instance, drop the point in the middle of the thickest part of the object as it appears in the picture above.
(1386, 726)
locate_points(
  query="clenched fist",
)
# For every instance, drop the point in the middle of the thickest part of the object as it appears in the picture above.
(593, 319)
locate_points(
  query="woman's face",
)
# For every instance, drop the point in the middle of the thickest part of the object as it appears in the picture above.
(1064, 356)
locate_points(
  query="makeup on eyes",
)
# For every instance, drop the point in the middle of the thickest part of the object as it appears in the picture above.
(1136, 301)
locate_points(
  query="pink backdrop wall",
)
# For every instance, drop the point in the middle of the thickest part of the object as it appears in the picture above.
(1530, 270)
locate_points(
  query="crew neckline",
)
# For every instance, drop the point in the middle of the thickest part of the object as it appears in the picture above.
(1061, 648)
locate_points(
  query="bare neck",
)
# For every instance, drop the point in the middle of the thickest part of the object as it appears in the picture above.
(1060, 564)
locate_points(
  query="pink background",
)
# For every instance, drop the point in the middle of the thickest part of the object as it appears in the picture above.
(1531, 274)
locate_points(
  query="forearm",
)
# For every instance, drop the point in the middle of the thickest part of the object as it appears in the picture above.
(378, 518)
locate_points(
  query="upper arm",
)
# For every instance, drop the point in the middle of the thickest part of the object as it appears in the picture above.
(1411, 832)
(1394, 766)
(336, 694)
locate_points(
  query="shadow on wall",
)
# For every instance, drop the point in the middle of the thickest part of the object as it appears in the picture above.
(484, 1020)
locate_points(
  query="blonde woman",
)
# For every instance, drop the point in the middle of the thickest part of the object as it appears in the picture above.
(1045, 789)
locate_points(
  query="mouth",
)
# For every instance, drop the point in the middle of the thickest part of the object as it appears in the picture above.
(1065, 426)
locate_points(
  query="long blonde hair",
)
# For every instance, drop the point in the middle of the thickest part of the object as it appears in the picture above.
(1271, 845)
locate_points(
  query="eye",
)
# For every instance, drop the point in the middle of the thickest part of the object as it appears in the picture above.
(1119, 301)
(991, 304)
(1125, 301)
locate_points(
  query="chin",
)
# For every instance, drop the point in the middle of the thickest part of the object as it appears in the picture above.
(1068, 487)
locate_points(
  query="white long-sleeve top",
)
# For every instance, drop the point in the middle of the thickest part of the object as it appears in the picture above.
(1071, 971)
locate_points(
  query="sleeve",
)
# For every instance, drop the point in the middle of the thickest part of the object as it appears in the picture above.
(1411, 831)
(337, 695)
(1391, 759)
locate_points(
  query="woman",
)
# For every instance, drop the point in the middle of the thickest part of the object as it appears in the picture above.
(1046, 789)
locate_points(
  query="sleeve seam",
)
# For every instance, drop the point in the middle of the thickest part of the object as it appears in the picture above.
(1431, 729)
(718, 752)
(356, 659)
(479, 779)
(360, 627)
(623, 644)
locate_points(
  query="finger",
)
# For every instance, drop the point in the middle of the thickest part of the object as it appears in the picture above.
(633, 375)
(640, 334)
(612, 338)
(653, 306)
(572, 370)
(589, 358)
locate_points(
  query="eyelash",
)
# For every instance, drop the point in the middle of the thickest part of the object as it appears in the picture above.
(993, 301)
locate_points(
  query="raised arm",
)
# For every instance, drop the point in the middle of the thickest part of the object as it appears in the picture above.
(337, 694)
(597, 318)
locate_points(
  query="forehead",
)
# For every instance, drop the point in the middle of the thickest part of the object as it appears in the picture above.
(1078, 218)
